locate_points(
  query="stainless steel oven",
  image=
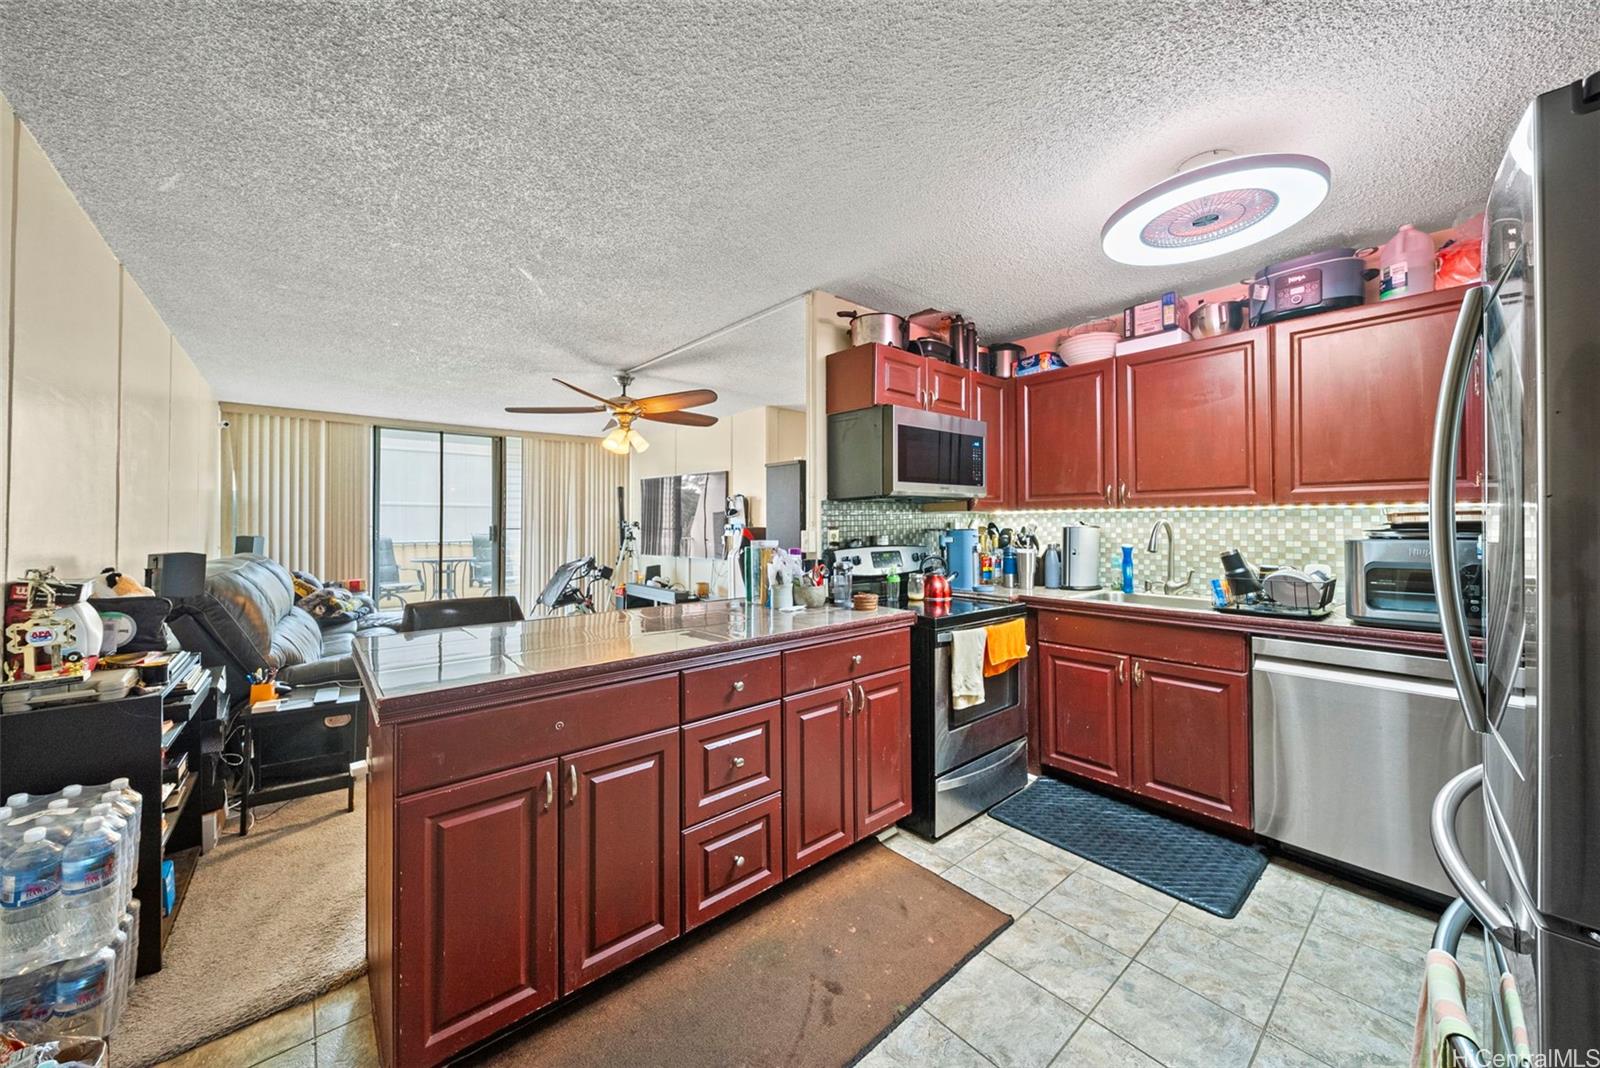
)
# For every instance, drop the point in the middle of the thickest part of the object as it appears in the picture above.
(1389, 581)
(890, 451)
(963, 760)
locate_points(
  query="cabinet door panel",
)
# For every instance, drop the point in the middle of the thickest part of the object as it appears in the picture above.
(730, 761)
(818, 776)
(1191, 729)
(729, 860)
(1083, 697)
(883, 751)
(477, 883)
(1356, 393)
(620, 854)
(899, 378)
(992, 399)
(1194, 423)
(1066, 451)
(948, 388)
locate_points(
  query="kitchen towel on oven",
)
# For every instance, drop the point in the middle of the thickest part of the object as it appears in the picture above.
(966, 666)
(1007, 645)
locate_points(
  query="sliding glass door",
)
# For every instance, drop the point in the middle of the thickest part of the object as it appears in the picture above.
(438, 515)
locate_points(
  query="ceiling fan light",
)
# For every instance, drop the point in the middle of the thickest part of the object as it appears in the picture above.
(616, 441)
(636, 439)
(1215, 209)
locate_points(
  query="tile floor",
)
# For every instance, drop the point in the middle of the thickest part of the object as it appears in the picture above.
(334, 1031)
(1099, 970)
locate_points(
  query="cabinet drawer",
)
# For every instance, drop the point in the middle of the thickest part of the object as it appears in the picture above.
(730, 860)
(711, 691)
(730, 761)
(1222, 650)
(451, 748)
(855, 658)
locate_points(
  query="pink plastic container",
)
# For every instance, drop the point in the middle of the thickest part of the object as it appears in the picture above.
(1405, 264)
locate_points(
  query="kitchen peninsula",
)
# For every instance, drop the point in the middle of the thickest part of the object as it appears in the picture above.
(552, 799)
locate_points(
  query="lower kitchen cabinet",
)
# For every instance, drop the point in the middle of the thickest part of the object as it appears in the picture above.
(818, 775)
(1191, 738)
(1084, 697)
(730, 859)
(619, 843)
(882, 756)
(477, 874)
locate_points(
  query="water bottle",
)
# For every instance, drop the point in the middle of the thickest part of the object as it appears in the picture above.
(129, 812)
(60, 821)
(30, 901)
(1052, 567)
(21, 804)
(126, 860)
(121, 978)
(91, 899)
(28, 997)
(83, 994)
(129, 796)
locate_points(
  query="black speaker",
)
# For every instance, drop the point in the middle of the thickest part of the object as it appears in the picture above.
(176, 575)
(250, 543)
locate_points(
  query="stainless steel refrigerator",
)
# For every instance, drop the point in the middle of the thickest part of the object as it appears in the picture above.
(1533, 690)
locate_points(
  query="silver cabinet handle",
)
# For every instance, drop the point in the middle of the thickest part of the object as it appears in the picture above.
(738, 686)
(861, 698)
(1122, 492)
(572, 782)
(1442, 508)
(738, 860)
(549, 790)
(1122, 672)
(738, 762)
(849, 700)
(1442, 828)
(1138, 673)
(855, 660)
(1108, 493)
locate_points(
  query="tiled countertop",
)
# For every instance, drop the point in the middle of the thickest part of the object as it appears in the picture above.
(405, 670)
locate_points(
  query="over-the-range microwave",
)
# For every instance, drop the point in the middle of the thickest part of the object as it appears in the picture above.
(890, 451)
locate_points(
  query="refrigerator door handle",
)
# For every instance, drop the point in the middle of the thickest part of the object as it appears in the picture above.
(1442, 828)
(1442, 508)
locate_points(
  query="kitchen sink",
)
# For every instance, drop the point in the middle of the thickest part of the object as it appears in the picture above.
(1152, 600)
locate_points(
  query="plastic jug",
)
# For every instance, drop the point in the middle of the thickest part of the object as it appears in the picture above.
(1052, 567)
(1405, 264)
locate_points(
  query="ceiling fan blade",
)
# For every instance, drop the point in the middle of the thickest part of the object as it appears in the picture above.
(672, 402)
(681, 418)
(586, 393)
(587, 409)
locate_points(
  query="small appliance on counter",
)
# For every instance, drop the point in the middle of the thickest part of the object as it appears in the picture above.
(1318, 282)
(961, 559)
(1291, 592)
(1082, 564)
(1390, 576)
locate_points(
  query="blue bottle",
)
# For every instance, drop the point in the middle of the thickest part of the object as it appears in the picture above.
(1127, 569)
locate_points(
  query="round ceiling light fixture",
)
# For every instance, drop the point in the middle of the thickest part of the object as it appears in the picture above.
(1215, 208)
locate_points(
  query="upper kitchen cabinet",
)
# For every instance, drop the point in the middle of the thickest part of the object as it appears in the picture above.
(866, 375)
(992, 400)
(1066, 451)
(1356, 392)
(1194, 423)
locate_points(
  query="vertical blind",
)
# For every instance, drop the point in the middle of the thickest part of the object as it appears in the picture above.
(569, 501)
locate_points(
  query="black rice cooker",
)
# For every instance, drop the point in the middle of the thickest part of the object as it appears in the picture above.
(1321, 281)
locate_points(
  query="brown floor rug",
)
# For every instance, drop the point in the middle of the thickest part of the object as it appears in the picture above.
(811, 975)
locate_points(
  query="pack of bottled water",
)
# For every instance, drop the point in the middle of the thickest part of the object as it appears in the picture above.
(68, 930)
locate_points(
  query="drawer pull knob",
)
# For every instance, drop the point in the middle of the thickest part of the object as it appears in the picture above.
(855, 660)
(738, 762)
(738, 686)
(738, 860)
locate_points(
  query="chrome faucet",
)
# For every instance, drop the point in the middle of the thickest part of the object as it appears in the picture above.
(1169, 586)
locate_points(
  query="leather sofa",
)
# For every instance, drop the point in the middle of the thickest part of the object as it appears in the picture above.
(247, 620)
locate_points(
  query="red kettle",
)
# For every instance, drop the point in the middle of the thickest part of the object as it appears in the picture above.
(936, 588)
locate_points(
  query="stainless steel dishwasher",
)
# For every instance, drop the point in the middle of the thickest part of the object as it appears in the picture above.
(1349, 748)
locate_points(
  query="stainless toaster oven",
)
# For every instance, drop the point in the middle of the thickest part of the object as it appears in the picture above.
(1389, 581)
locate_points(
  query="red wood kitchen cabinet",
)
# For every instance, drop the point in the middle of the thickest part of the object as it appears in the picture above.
(818, 775)
(1194, 423)
(620, 877)
(1191, 738)
(992, 402)
(882, 755)
(1065, 435)
(1083, 694)
(865, 375)
(1355, 396)
(477, 873)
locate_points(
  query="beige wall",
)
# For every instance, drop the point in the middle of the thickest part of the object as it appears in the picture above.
(110, 431)
(826, 333)
(741, 445)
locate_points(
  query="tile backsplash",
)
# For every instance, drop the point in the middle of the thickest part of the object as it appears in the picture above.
(1267, 534)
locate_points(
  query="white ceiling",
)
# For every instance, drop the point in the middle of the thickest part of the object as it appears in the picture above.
(424, 210)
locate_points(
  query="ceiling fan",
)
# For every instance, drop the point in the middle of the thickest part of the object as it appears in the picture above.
(662, 408)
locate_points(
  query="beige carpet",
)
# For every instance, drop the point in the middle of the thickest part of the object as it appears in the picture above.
(270, 920)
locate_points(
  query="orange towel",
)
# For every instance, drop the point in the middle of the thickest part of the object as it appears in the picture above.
(1007, 645)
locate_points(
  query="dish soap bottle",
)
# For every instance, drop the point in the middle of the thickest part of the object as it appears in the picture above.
(1127, 569)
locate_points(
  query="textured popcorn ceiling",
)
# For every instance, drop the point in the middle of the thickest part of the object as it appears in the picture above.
(425, 209)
